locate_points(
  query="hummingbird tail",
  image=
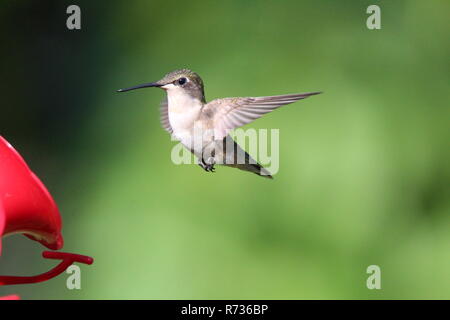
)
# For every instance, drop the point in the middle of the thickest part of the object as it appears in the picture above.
(256, 169)
(252, 166)
(249, 163)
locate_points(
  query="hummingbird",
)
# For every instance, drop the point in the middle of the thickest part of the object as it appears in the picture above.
(188, 118)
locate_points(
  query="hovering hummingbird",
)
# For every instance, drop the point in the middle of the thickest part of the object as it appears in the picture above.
(187, 116)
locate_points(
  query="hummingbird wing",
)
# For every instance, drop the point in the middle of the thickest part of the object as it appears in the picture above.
(164, 116)
(231, 113)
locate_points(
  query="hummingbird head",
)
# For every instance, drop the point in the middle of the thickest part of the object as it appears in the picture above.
(176, 83)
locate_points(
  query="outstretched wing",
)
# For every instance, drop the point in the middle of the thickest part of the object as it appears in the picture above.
(164, 116)
(231, 113)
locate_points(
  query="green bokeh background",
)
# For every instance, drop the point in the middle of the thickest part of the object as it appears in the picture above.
(364, 168)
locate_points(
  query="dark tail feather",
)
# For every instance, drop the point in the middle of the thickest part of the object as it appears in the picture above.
(256, 169)
(249, 163)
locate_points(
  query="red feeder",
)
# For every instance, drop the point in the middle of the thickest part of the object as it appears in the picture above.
(27, 207)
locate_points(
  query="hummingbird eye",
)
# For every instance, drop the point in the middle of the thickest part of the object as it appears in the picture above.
(181, 81)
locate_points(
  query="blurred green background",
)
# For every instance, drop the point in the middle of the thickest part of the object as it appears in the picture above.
(364, 168)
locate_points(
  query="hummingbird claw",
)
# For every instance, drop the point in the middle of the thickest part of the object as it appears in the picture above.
(207, 167)
(209, 164)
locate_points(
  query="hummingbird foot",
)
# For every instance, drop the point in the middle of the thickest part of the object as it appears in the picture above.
(208, 166)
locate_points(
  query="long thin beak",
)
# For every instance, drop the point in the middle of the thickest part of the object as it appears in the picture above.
(145, 85)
